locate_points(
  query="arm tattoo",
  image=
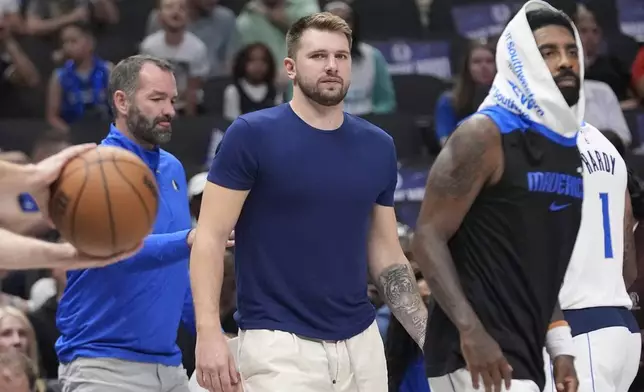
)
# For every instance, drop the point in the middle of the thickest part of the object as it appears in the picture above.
(398, 287)
(459, 173)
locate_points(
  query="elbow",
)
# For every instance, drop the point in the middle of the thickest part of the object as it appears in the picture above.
(426, 237)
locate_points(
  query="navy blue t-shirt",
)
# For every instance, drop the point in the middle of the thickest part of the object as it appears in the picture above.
(301, 237)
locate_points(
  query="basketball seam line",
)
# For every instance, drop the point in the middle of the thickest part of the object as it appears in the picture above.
(78, 198)
(136, 192)
(109, 205)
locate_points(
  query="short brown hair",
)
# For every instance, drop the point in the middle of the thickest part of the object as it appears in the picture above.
(125, 75)
(323, 21)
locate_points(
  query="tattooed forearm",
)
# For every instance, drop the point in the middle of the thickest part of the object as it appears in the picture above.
(397, 285)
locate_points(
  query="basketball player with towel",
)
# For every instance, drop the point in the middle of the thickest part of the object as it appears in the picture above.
(119, 324)
(19, 252)
(593, 297)
(500, 217)
(309, 190)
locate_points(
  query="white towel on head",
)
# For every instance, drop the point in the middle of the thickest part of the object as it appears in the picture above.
(524, 84)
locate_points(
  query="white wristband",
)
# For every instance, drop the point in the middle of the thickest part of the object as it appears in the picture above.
(559, 342)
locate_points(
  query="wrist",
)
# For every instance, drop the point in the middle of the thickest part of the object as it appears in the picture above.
(559, 340)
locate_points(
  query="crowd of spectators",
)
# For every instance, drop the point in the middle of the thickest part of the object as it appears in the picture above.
(55, 61)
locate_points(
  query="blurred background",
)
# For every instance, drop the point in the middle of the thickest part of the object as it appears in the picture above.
(419, 67)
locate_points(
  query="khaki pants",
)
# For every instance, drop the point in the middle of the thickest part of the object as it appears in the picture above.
(276, 361)
(115, 375)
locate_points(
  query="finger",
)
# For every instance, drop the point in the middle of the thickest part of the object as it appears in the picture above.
(224, 378)
(200, 378)
(232, 235)
(506, 373)
(495, 374)
(487, 380)
(230, 243)
(572, 384)
(475, 377)
(71, 152)
(232, 369)
(560, 387)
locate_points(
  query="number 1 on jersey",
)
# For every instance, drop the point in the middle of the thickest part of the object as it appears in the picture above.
(608, 241)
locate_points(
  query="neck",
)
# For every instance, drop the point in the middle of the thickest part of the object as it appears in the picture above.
(327, 118)
(121, 125)
(85, 64)
(174, 38)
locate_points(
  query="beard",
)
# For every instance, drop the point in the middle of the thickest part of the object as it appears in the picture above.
(146, 129)
(570, 93)
(322, 97)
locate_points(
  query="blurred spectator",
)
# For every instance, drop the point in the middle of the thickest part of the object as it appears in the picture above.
(17, 373)
(603, 67)
(196, 186)
(603, 110)
(10, 12)
(43, 320)
(78, 90)
(186, 52)
(472, 83)
(17, 333)
(372, 90)
(405, 362)
(267, 21)
(638, 74)
(253, 86)
(16, 68)
(215, 25)
(46, 17)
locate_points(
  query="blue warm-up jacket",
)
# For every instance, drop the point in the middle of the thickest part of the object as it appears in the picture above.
(131, 310)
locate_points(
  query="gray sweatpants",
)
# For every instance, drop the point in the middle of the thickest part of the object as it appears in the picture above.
(115, 375)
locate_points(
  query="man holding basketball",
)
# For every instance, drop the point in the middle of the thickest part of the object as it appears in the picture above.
(19, 252)
(119, 324)
(309, 190)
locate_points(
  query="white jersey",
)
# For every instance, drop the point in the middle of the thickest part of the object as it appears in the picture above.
(594, 276)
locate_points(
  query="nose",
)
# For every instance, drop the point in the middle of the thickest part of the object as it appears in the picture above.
(15, 340)
(565, 61)
(168, 109)
(331, 65)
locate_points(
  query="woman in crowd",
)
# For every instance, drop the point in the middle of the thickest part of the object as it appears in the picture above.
(253, 86)
(16, 333)
(471, 86)
(372, 89)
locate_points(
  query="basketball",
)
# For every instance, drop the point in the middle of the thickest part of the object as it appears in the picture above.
(105, 201)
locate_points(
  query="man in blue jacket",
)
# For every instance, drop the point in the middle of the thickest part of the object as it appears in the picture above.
(119, 324)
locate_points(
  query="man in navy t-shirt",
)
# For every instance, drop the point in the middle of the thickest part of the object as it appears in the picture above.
(309, 190)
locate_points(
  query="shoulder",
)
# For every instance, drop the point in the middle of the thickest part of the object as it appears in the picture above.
(478, 129)
(366, 130)
(193, 42)
(153, 40)
(222, 13)
(267, 118)
(596, 87)
(169, 160)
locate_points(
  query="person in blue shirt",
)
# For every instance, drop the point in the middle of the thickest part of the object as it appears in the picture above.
(309, 190)
(118, 324)
(78, 89)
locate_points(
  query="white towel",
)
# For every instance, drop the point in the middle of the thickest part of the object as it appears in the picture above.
(523, 83)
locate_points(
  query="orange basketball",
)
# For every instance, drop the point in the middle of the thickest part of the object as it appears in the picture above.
(105, 201)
